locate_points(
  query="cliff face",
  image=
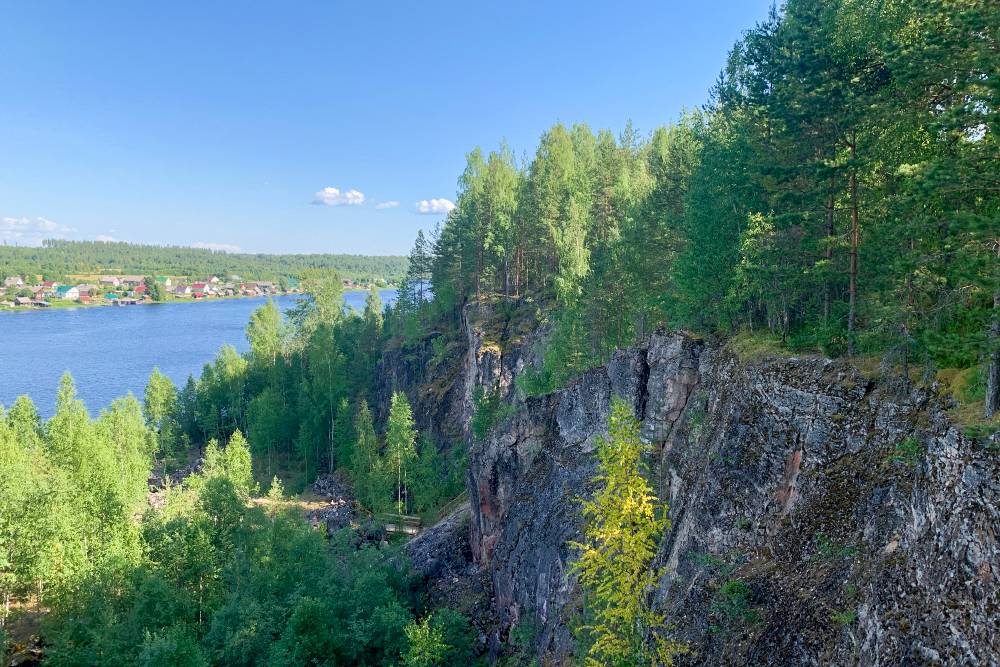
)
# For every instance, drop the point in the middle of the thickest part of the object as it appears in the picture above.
(817, 517)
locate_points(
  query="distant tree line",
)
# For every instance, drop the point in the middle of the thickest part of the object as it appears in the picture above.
(56, 259)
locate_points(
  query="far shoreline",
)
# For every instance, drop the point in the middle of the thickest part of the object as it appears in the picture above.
(76, 305)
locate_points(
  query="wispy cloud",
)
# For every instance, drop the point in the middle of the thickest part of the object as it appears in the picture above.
(335, 197)
(216, 247)
(31, 231)
(104, 238)
(434, 206)
(392, 203)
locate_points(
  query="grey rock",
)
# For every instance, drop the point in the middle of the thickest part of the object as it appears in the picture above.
(782, 473)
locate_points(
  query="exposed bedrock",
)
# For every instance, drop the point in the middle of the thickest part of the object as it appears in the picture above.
(817, 517)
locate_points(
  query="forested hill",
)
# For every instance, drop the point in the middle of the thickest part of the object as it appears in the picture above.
(840, 194)
(57, 259)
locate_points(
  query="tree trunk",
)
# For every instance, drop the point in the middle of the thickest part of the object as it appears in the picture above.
(905, 349)
(828, 289)
(993, 371)
(399, 488)
(855, 238)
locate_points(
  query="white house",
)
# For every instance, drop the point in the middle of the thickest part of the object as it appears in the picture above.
(14, 281)
(68, 292)
(113, 281)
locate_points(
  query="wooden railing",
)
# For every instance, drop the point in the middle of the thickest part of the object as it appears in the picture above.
(406, 524)
(451, 506)
(400, 523)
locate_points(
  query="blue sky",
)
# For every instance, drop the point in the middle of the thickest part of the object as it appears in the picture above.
(223, 123)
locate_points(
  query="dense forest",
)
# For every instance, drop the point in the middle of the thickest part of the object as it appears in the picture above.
(55, 260)
(839, 194)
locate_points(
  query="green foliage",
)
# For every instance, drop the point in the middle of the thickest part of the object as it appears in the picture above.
(154, 290)
(732, 602)
(427, 647)
(489, 410)
(791, 207)
(160, 408)
(827, 548)
(844, 618)
(714, 563)
(521, 643)
(400, 438)
(908, 452)
(208, 578)
(622, 525)
(372, 475)
(173, 646)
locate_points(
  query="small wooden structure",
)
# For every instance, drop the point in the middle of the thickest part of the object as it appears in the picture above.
(400, 524)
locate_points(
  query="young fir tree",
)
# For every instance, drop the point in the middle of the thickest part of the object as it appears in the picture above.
(342, 443)
(426, 483)
(369, 471)
(400, 436)
(618, 545)
(238, 466)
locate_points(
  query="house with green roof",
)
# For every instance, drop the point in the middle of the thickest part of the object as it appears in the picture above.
(67, 292)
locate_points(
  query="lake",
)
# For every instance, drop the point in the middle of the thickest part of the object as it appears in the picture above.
(111, 351)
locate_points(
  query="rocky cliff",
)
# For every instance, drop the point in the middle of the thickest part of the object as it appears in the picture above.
(817, 517)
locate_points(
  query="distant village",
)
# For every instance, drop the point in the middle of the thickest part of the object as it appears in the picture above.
(19, 292)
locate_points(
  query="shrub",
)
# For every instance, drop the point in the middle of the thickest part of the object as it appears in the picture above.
(908, 451)
(733, 602)
(490, 410)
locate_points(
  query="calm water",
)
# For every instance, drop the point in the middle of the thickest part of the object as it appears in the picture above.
(111, 351)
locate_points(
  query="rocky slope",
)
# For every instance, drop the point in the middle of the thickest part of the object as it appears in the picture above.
(817, 517)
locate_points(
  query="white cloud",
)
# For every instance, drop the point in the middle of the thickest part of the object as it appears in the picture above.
(387, 204)
(334, 197)
(216, 247)
(434, 206)
(104, 238)
(31, 231)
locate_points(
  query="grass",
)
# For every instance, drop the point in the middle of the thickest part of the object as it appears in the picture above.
(844, 618)
(908, 451)
(827, 548)
(753, 347)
